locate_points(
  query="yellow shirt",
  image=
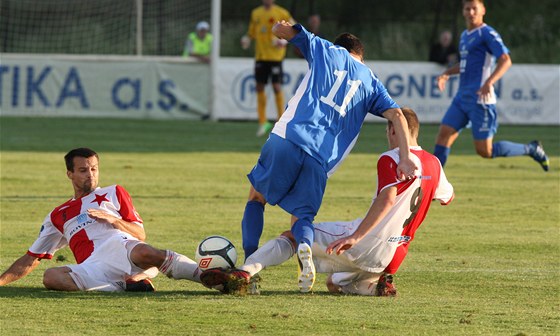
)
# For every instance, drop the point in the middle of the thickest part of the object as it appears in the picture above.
(260, 30)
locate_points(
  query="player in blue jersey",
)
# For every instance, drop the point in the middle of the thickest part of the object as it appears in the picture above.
(313, 136)
(475, 101)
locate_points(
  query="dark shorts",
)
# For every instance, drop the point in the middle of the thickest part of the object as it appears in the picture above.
(288, 176)
(482, 118)
(265, 70)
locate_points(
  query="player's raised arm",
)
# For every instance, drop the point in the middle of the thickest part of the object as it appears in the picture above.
(284, 30)
(19, 269)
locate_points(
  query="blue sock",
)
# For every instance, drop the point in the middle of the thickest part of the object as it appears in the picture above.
(442, 152)
(252, 226)
(508, 148)
(303, 231)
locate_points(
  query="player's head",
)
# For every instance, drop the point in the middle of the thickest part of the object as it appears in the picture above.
(350, 43)
(267, 3)
(473, 12)
(82, 168)
(413, 127)
(203, 26)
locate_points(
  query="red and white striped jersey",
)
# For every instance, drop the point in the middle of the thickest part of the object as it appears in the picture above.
(414, 197)
(69, 223)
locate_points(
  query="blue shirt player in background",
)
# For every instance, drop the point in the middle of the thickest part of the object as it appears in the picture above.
(315, 133)
(475, 101)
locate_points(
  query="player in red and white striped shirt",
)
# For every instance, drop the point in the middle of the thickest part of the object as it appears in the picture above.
(105, 234)
(362, 255)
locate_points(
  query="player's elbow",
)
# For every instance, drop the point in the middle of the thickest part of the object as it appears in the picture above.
(505, 60)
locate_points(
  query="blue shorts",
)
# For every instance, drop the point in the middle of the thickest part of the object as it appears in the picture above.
(482, 117)
(288, 176)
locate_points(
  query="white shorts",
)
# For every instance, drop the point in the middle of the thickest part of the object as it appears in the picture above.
(360, 282)
(107, 267)
(345, 273)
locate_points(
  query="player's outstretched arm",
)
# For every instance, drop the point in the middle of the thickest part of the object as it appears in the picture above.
(19, 269)
(377, 211)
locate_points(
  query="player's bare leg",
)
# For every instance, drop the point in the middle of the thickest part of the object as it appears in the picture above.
(484, 148)
(264, 125)
(279, 97)
(172, 264)
(58, 278)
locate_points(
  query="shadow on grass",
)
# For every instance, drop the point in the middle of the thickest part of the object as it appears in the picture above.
(8, 292)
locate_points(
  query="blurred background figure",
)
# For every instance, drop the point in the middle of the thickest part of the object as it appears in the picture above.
(199, 43)
(444, 51)
(313, 25)
(269, 54)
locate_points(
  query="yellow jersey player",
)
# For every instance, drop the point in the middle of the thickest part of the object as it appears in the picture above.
(269, 53)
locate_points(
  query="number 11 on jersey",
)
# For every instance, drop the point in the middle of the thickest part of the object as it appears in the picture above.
(329, 99)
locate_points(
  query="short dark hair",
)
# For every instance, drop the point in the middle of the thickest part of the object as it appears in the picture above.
(78, 152)
(351, 43)
(412, 121)
(479, 1)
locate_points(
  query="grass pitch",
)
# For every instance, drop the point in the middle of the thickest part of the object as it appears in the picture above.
(487, 264)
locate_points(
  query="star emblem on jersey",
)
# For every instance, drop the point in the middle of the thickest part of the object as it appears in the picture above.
(100, 199)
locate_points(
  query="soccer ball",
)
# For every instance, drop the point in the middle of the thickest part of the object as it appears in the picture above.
(216, 252)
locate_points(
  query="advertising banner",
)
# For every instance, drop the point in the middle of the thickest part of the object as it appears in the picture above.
(527, 94)
(126, 87)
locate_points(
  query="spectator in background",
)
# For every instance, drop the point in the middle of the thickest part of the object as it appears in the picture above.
(269, 53)
(199, 43)
(444, 51)
(313, 23)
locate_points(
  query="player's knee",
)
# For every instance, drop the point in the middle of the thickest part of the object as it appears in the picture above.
(288, 234)
(256, 196)
(51, 279)
(331, 286)
(144, 255)
(484, 152)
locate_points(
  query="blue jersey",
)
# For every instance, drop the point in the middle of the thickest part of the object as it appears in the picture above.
(325, 115)
(479, 49)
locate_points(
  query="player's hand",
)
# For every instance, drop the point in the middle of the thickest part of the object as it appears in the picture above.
(245, 42)
(102, 216)
(484, 93)
(341, 245)
(406, 170)
(441, 80)
(279, 43)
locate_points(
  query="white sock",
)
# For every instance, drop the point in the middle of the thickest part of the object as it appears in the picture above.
(274, 252)
(178, 266)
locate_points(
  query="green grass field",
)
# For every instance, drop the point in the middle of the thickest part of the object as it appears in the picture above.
(487, 264)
